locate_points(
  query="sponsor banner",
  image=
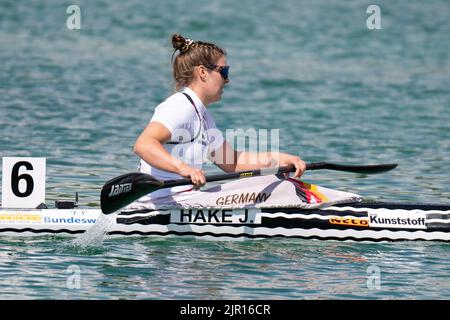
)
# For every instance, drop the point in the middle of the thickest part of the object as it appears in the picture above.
(358, 222)
(20, 218)
(216, 216)
(69, 217)
(397, 219)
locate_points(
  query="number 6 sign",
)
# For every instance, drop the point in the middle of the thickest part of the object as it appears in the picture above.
(23, 182)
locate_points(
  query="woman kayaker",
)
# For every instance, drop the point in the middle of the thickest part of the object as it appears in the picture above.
(182, 134)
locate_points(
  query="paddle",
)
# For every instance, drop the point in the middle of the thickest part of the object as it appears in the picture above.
(123, 190)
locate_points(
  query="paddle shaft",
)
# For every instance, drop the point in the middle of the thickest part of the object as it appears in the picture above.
(363, 169)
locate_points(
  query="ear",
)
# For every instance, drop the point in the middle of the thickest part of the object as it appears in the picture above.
(202, 73)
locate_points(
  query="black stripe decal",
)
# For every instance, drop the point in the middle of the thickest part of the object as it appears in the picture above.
(438, 216)
(319, 212)
(251, 236)
(128, 213)
(396, 205)
(438, 226)
(161, 219)
(287, 223)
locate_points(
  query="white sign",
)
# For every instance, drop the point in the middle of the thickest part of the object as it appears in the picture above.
(383, 218)
(216, 216)
(23, 182)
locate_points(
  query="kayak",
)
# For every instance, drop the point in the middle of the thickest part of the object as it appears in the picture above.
(359, 221)
(268, 206)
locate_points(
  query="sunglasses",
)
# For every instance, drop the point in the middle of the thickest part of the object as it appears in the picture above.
(223, 70)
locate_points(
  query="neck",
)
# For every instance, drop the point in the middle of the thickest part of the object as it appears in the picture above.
(199, 92)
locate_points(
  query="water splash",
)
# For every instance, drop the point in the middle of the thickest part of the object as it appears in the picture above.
(95, 235)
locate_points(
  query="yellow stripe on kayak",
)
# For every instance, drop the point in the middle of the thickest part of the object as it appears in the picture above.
(314, 189)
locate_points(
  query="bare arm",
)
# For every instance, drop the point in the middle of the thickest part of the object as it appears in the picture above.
(230, 160)
(149, 147)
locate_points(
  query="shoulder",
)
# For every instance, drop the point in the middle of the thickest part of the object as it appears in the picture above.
(175, 103)
(175, 112)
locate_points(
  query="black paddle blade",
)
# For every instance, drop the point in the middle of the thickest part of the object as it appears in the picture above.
(123, 190)
(364, 169)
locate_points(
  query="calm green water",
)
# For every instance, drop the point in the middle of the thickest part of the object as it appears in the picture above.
(336, 90)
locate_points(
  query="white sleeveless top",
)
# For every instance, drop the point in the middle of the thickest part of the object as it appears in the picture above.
(194, 133)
